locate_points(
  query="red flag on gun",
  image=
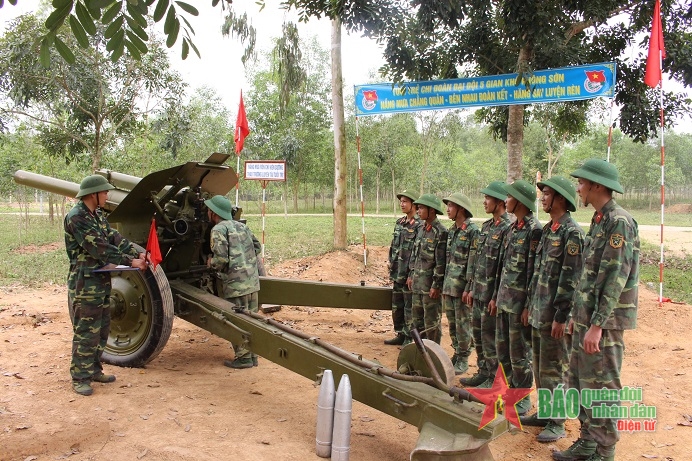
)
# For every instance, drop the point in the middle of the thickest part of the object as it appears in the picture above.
(153, 248)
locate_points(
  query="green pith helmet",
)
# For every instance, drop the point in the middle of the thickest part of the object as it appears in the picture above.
(564, 187)
(430, 200)
(461, 200)
(221, 206)
(524, 192)
(496, 189)
(92, 184)
(407, 193)
(600, 172)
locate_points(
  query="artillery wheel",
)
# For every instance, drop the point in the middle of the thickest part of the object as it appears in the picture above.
(411, 361)
(141, 306)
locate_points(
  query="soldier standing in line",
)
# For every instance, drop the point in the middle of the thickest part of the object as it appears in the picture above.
(427, 269)
(92, 243)
(513, 335)
(460, 236)
(400, 251)
(605, 304)
(556, 272)
(485, 269)
(235, 258)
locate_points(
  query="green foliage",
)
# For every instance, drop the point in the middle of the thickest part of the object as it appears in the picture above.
(80, 110)
(125, 24)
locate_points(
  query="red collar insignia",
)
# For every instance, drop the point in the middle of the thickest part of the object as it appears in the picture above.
(598, 217)
(463, 226)
(555, 226)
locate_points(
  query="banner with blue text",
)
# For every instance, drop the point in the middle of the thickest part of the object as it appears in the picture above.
(555, 85)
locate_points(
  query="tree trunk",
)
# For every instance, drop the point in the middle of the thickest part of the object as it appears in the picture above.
(284, 198)
(377, 192)
(394, 192)
(339, 139)
(515, 127)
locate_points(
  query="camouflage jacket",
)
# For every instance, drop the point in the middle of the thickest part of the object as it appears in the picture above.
(486, 256)
(516, 265)
(92, 243)
(235, 258)
(400, 250)
(427, 264)
(459, 242)
(606, 295)
(556, 272)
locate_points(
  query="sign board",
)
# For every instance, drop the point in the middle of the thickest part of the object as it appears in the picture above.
(265, 170)
(554, 85)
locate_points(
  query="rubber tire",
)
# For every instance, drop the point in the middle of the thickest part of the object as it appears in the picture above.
(139, 300)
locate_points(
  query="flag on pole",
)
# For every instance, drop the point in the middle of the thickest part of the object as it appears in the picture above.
(153, 248)
(657, 50)
(242, 129)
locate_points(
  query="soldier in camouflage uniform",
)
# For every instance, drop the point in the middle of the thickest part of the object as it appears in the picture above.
(460, 236)
(484, 271)
(513, 334)
(91, 243)
(400, 251)
(427, 269)
(235, 258)
(605, 304)
(556, 272)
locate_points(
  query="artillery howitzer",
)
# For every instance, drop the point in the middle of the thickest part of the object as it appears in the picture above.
(143, 305)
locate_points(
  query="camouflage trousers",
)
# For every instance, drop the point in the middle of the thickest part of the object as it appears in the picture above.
(484, 338)
(250, 303)
(513, 344)
(401, 302)
(426, 316)
(91, 323)
(459, 319)
(550, 359)
(597, 371)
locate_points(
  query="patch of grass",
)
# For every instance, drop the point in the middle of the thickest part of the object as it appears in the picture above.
(676, 278)
(300, 236)
(24, 261)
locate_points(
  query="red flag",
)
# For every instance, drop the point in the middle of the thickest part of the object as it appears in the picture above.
(153, 249)
(242, 129)
(656, 50)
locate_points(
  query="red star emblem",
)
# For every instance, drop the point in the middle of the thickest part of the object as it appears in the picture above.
(370, 95)
(498, 395)
(596, 76)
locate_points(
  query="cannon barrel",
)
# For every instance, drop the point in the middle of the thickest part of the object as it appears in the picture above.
(70, 189)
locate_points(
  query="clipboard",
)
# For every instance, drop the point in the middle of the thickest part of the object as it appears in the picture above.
(115, 268)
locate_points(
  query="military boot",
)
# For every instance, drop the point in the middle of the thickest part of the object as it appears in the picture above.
(553, 431)
(474, 380)
(398, 340)
(239, 363)
(82, 387)
(461, 365)
(599, 457)
(533, 420)
(581, 449)
(103, 378)
(523, 406)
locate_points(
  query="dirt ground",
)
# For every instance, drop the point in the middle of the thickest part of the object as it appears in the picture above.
(185, 405)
